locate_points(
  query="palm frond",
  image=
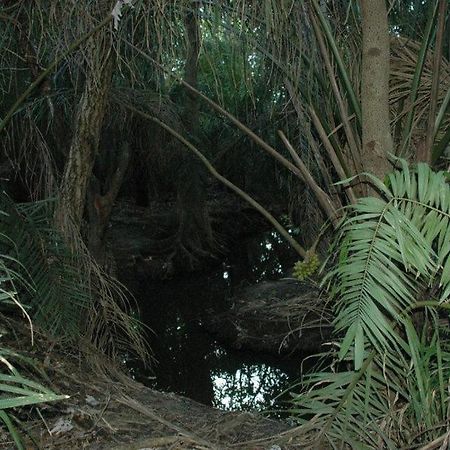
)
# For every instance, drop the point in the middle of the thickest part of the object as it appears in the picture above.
(393, 259)
(59, 295)
(69, 295)
(392, 250)
(395, 402)
(16, 390)
(407, 57)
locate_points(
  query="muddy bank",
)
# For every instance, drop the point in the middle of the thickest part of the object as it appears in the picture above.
(124, 416)
(277, 317)
(107, 410)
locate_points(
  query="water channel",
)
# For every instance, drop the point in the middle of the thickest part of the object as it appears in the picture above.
(190, 361)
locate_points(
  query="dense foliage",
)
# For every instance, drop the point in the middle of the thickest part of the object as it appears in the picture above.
(388, 383)
(152, 102)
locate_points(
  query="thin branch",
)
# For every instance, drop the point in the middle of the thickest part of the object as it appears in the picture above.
(302, 119)
(332, 154)
(300, 250)
(339, 60)
(349, 132)
(332, 188)
(322, 197)
(437, 443)
(264, 145)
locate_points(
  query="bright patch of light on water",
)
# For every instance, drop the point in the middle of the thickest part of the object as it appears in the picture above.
(220, 352)
(276, 236)
(252, 387)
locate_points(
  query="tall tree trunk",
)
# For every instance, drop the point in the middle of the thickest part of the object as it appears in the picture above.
(86, 135)
(191, 108)
(195, 237)
(376, 130)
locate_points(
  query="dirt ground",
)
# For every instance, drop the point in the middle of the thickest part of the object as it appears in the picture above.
(107, 410)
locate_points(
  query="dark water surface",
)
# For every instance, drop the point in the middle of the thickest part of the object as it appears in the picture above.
(190, 361)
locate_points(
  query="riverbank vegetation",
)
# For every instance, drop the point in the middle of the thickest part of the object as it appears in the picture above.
(330, 116)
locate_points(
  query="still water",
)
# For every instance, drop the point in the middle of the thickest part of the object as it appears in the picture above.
(190, 361)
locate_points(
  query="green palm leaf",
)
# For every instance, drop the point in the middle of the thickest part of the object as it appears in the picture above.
(393, 258)
(16, 241)
(392, 249)
(27, 392)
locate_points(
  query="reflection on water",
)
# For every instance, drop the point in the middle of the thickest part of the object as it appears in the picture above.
(252, 387)
(190, 361)
(267, 257)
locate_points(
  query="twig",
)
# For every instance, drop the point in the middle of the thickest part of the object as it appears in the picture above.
(102, 412)
(313, 145)
(437, 442)
(141, 408)
(44, 421)
(154, 443)
(288, 434)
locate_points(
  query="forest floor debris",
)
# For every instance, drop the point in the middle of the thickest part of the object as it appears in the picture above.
(114, 412)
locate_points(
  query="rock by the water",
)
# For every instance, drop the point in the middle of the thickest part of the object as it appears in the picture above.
(277, 317)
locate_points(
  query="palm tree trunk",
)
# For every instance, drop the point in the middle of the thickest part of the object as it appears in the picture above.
(376, 131)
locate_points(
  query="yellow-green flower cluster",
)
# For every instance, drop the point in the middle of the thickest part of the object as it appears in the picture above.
(307, 267)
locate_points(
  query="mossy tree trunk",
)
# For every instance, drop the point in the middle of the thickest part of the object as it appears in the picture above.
(87, 128)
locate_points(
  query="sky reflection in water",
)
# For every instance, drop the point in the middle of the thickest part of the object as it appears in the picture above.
(191, 362)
